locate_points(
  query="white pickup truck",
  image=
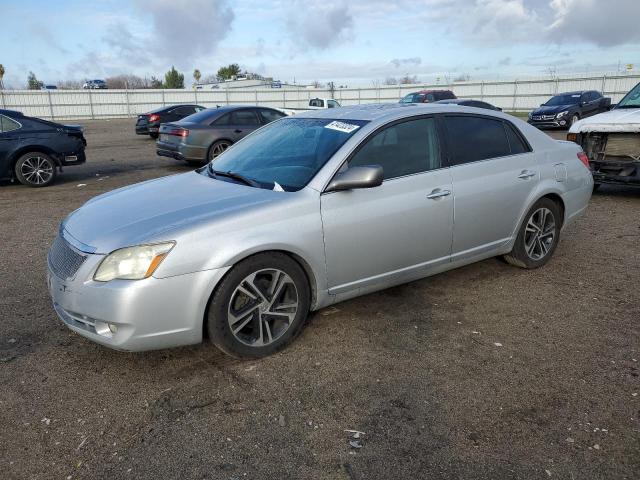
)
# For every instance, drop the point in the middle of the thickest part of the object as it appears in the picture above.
(314, 104)
(611, 140)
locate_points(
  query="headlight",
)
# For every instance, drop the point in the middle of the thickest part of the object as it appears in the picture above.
(132, 263)
(562, 114)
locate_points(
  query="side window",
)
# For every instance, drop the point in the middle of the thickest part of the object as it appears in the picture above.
(222, 121)
(402, 149)
(316, 102)
(332, 104)
(8, 125)
(516, 142)
(473, 138)
(244, 117)
(270, 115)
(430, 97)
(198, 109)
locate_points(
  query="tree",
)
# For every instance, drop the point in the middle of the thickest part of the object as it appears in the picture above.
(173, 79)
(228, 72)
(33, 83)
(1, 76)
(390, 81)
(406, 80)
(197, 75)
(70, 85)
(155, 83)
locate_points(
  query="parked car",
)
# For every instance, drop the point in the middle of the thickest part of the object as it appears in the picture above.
(149, 123)
(205, 135)
(31, 149)
(321, 103)
(308, 211)
(48, 87)
(95, 85)
(565, 109)
(428, 96)
(611, 141)
(466, 102)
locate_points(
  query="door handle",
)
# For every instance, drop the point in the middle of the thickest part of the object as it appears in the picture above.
(526, 174)
(437, 193)
(237, 130)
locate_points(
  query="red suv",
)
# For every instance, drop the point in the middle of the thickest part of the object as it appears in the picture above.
(428, 96)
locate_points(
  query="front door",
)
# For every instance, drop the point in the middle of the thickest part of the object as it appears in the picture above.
(400, 230)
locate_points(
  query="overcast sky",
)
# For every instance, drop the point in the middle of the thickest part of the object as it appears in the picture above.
(351, 42)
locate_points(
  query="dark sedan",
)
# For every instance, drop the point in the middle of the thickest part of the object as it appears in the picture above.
(31, 149)
(565, 109)
(205, 135)
(467, 102)
(149, 123)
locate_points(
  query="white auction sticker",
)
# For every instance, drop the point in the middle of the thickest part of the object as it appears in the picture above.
(342, 127)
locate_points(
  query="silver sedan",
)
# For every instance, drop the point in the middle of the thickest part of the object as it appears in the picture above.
(306, 212)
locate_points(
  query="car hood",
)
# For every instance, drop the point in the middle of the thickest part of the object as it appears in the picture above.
(616, 120)
(551, 109)
(157, 210)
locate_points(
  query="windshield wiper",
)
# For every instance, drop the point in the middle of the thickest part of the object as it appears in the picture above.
(627, 106)
(235, 176)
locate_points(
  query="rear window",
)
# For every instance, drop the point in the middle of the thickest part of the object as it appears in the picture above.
(204, 116)
(7, 125)
(270, 115)
(516, 142)
(473, 138)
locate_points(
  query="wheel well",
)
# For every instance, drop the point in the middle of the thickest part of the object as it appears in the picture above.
(306, 268)
(557, 199)
(31, 148)
(218, 140)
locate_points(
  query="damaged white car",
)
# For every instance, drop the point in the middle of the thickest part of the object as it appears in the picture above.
(611, 140)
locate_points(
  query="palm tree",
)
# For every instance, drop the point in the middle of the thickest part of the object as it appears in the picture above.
(1, 76)
(197, 75)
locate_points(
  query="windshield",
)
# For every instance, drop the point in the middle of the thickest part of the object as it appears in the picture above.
(413, 98)
(286, 153)
(571, 99)
(631, 99)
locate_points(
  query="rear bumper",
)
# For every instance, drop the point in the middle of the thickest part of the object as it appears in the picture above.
(142, 130)
(72, 158)
(181, 151)
(616, 173)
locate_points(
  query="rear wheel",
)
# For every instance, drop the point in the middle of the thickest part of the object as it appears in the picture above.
(35, 169)
(260, 306)
(538, 236)
(217, 148)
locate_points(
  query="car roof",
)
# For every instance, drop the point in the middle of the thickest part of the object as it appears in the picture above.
(458, 101)
(577, 92)
(11, 113)
(390, 111)
(168, 107)
(432, 91)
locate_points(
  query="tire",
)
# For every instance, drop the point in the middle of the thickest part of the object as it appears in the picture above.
(574, 118)
(217, 148)
(154, 135)
(251, 312)
(529, 251)
(35, 169)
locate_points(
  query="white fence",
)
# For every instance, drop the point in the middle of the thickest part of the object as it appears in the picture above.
(514, 95)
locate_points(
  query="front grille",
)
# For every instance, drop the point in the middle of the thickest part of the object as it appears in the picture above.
(543, 117)
(63, 259)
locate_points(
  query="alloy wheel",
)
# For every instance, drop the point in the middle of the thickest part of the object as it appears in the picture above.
(217, 149)
(540, 234)
(262, 307)
(37, 170)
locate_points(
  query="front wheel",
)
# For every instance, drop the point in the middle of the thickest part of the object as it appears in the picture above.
(574, 118)
(35, 169)
(260, 306)
(538, 236)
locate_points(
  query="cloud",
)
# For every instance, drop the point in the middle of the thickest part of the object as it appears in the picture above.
(186, 29)
(591, 21)
(504, 62)
(413, 61)
(319, 27)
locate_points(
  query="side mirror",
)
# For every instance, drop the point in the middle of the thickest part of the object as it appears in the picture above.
(366, 176)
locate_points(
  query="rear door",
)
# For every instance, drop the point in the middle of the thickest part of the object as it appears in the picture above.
(397, 231)
(242, 123)
(494, 172)
(9, 132)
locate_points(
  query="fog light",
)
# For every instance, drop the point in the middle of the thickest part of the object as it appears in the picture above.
(562, 122)
(113, 328)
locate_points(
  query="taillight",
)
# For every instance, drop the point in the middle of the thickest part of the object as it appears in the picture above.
(584, 159)
(178, 132)
(154, 117)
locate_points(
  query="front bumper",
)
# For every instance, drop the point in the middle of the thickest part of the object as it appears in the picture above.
(134, 315)
(554, 123)
(616, 173)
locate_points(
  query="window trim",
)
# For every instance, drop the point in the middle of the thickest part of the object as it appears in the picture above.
(439, 134)
(13, 120)
(504, 121)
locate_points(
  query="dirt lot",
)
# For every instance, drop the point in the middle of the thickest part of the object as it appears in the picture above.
(417, 367)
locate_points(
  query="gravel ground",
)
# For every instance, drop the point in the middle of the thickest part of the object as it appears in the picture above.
(483, 372)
